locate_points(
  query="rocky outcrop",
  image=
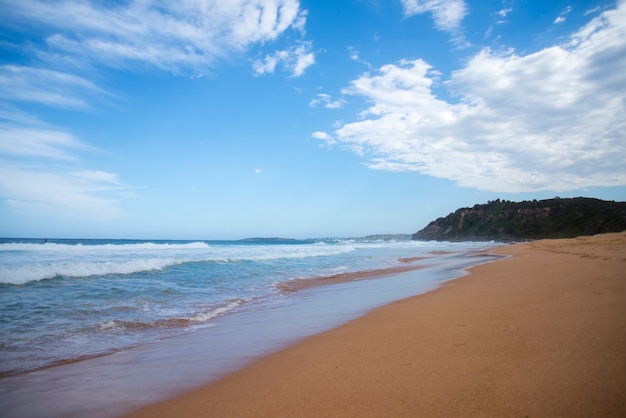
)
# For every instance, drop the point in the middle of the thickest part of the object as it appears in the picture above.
(536, 219)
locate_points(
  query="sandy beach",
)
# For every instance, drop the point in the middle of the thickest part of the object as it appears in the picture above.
(539, 334)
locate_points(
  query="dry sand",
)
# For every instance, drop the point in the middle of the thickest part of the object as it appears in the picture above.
(540, 334)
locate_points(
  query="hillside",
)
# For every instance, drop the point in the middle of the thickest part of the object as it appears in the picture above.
(506, 220)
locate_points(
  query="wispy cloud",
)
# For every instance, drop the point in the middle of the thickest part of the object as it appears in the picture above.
(590, 11)
(355, 55)
(326, 101)
(85, 194)
(562, 17)
(41, 170)
(186, 35)
(45, 86)
(501, 15)
(42, 166)
(54, 144)
(504, 12)
(323, 136)
(550, 120)
(447, 14)
(294, 60)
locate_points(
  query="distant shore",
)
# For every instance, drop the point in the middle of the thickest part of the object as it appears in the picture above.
(540, 333)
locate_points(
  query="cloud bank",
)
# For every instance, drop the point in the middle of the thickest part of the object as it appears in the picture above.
(550, 120)
(172, 36)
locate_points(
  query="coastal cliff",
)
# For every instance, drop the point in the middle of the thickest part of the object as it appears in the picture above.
(536, 219)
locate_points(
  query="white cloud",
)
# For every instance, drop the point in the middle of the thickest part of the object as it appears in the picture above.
(327, 101)
(354, 54)
(40, 85)
(294, 60)
(34, 142)
(590, 11)
(550, 120)
(447, 14)
(269, 63)
(97, 177)
(25, 136)
(323, 136)
(35, 174)
(174, 36)
(504, 12)
(304, 59)
(561, 18)
(90, 195)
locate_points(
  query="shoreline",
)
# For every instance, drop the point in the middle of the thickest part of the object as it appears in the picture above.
(539, 333)
(112, 385)
(294, 285)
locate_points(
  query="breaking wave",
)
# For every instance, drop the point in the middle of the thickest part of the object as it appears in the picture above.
(19, 275)
(80, 247)
(22, 263)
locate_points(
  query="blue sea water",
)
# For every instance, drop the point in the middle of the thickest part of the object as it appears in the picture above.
(85, 305)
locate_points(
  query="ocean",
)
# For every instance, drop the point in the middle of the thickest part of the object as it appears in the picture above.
(99, 327)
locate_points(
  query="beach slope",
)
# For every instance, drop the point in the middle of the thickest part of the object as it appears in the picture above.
(541, 333)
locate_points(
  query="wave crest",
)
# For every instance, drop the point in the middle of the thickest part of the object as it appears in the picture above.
(80, 247)
(35, 272)
(186, 321)
(22, 263)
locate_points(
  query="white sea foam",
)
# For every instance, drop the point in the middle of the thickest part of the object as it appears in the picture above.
(79, 247)
(22, 263)
(290, 253)
(206, 316)
(172, 322)
(23, 274)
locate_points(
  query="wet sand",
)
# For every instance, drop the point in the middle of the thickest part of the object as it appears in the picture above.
(539, 334)
(299, 284)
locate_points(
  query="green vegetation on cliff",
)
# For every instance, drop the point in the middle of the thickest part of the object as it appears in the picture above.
(537, 219)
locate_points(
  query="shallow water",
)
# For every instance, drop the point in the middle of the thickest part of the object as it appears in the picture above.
(147, 369)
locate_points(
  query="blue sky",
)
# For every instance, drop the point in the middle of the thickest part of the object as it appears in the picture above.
(211, 119)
